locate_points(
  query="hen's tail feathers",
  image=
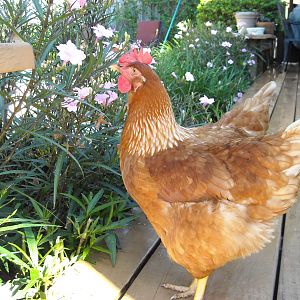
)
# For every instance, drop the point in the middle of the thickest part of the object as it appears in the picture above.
(286, 196)
(252, 115)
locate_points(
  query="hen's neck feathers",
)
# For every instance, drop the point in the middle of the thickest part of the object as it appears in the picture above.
(150, 125)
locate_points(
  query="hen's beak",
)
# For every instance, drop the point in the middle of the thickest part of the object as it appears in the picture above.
(115, 68)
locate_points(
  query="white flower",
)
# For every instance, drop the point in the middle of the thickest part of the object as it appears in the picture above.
(230, 61)
(197, 40)
(209, 64)
(205, 100)
(226, 44)
(214, 32)
(224, 68)
(69, 53)
(100, 31)
(178, 36)
(182, 26)
(227, 53)
(208, 24)
(189, 76)
(251, 62)
(174, 75)
(228, 29)
(191, 45)
(244, 50)
(108, 85)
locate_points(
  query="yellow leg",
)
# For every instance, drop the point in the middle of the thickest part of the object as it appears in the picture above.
(201, 285)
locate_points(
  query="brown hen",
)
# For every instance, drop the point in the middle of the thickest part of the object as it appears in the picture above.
(210, 192)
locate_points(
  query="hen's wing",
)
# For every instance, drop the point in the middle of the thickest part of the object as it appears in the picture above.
(252, 115)
(259, 172)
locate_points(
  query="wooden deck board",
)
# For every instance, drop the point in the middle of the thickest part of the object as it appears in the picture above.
(242, 279)
(135, 242)
(289, 287)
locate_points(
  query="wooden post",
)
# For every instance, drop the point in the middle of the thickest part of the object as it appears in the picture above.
(16, 57)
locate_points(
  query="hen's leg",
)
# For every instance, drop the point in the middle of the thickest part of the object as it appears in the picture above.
(196, 289)
(201, 285)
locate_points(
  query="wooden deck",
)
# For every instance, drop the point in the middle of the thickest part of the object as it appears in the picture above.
(143, 264)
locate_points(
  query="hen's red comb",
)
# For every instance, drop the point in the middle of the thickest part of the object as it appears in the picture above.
(135, 55)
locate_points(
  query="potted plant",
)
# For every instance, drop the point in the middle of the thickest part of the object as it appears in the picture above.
(246, 19)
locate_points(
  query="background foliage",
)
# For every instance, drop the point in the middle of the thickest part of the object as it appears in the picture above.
(128, 13)
(223, 10)
(219, 72)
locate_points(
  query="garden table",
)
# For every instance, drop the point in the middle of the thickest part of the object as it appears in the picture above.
(264, 44)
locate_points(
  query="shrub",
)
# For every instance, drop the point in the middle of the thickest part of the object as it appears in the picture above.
(60, 125)
(223, 10)
(218, 60)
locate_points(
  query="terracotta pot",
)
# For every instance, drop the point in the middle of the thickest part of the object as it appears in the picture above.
(269, 26)
(245, 19)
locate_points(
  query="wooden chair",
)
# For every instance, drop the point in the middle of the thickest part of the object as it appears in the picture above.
(291, 34)
(149, 32)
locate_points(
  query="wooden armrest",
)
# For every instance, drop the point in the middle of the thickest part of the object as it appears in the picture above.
(16, 57)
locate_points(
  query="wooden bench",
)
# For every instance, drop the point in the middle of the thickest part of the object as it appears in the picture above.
(143, 264)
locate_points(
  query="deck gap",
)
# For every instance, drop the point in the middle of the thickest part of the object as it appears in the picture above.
(139, 268)
(273, 109)
(276, 285)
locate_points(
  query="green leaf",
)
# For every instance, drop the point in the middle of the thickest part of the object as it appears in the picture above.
(58, 145)
(12, 257)
(57, 173)
(94, 201)
(39, 9)
(32, 247)
(111, 242)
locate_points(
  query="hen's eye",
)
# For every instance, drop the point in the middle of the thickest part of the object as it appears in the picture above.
(133, 70)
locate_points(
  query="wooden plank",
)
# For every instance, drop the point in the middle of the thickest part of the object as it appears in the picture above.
(135, 242)
(289, 287)
(161, 270)
(16, 57)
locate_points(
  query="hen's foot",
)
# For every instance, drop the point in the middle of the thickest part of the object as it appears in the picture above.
(184, 291)
(196, 289)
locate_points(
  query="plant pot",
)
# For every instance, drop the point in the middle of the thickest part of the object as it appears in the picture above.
(245, 19)
(269, 26)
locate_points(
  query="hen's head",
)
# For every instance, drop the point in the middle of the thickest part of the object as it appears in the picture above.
(135, 71)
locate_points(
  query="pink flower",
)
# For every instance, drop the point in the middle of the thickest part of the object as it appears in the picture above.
(70, 104)
(106, 99)
(101, 99)
(101, 31)
(108, 85)
(76, 4)
(205, 100)
(69, 53)
(82, 92)
(112, 97)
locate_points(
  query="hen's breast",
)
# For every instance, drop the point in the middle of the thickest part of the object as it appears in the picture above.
(200, 236)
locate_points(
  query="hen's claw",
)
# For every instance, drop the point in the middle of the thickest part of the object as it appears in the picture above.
(183, 295)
